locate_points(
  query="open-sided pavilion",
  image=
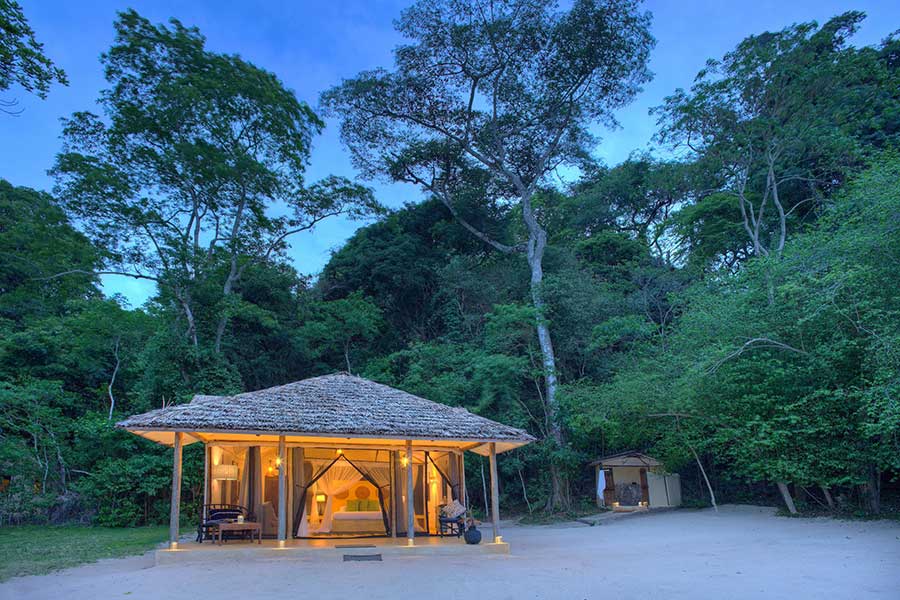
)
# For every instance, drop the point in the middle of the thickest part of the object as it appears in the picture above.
(335, 456)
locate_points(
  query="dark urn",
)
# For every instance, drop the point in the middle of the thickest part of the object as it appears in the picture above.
(472, 535)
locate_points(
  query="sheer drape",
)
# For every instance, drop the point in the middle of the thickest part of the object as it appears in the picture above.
(252, 482)
(339, 478)
(302, 524)
(307, 496)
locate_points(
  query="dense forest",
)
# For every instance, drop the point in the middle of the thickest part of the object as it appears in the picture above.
(727, 303)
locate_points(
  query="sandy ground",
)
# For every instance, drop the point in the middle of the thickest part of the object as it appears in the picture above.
(741, 552)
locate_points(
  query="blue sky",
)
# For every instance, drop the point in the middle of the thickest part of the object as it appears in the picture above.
(313, 45)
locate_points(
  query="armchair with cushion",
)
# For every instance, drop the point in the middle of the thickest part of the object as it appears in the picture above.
(452, 519)
(268, 520)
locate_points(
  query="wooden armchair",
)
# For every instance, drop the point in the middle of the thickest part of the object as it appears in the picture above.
(213, 514)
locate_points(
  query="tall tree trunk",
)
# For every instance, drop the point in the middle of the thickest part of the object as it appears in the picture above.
(537, 243)
(786, 495)
(112, 381)
(709, 487)
(873, 490)
(828, 497)
(525, 491)
(189, 315)
(234, 273)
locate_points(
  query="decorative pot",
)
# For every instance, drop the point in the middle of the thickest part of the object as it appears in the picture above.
(472, 535)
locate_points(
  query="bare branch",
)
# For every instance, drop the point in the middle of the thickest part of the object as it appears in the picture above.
(753, 344)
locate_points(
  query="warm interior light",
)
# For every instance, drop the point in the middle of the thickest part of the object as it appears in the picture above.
(225, 472)
(339, 451)
(404, 461)
(277, 461)
(320, 497)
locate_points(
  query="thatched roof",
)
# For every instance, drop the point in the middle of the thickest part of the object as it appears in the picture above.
(629, 458)
(332, 405)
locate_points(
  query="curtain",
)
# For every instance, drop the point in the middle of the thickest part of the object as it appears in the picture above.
(252, 482)
(339, 478)
(448, 471)
(302, 521)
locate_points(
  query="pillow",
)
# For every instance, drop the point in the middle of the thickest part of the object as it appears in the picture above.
(454, 510)
(352, 506)
(371, 505)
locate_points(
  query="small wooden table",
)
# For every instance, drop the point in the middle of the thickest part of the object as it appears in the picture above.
(250, 526)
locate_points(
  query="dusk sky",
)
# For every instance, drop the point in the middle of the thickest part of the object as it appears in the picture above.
(313, 45)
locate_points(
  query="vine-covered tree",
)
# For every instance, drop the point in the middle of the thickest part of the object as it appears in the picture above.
(484, 102)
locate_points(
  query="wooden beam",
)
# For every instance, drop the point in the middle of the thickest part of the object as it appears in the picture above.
(410, 500)
(282, 492)
(175, 508)
(209, 434)
(331, 446)
(495, 494)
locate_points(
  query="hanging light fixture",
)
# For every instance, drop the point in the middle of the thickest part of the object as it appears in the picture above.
(225, 472)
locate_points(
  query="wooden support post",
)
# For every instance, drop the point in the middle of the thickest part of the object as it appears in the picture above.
(392, 459)
(207, 450)
(410, 500)
(495, 494)
(282, 492)
(175, 508)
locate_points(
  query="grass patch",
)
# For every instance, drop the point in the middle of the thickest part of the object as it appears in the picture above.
(35, 550)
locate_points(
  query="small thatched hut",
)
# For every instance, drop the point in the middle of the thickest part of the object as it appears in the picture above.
(330, 456)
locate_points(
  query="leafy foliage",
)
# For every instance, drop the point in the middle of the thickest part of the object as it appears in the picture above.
(691, 317)
(22, 59)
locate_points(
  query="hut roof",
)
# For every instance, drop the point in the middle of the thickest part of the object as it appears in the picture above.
(629, 458)
(331, 405)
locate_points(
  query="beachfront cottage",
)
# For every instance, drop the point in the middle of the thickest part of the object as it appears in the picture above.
(331, 456)
(632, 481)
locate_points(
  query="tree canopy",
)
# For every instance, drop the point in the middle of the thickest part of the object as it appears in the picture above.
(22, 59)
(725, 301)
